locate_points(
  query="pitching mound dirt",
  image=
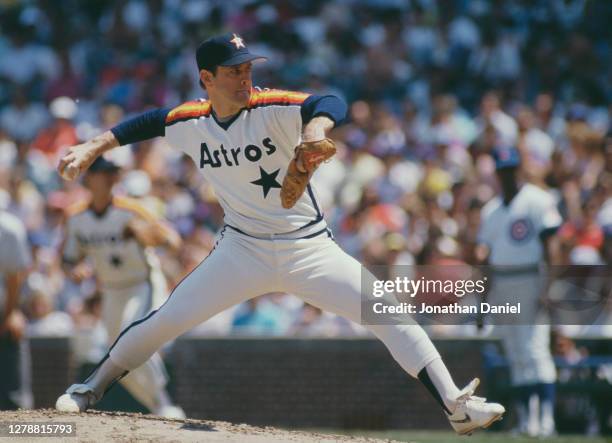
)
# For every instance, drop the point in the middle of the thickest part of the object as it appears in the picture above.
(99, 427)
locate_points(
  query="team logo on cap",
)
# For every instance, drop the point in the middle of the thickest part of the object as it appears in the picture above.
(237, 41)
(521, 230)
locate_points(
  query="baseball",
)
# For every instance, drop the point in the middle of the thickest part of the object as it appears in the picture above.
(70, 172)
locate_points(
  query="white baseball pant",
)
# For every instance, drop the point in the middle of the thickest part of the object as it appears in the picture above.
(527, 346)
(241, 267)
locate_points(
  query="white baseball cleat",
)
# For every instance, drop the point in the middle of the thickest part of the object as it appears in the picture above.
(474, 412)
(78, 398)
(171, 411)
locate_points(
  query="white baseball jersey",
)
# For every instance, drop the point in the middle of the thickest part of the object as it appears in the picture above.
(246, 159)
(118, 262)
(512, 232)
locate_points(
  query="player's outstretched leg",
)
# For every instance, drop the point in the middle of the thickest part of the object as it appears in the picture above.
(80, 397)
(331, 280)
(229, 275)
(120, 308)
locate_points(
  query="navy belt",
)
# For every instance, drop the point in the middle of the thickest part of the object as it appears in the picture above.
(285, 236)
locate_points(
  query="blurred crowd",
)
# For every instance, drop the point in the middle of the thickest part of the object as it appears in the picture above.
(433, 87)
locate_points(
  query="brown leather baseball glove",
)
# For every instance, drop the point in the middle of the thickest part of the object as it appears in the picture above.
(308, 156)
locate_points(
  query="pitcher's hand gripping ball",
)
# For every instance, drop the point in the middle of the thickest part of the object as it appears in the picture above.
(78, 159)
(308, 156)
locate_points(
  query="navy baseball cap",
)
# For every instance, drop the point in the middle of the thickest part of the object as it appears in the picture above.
(506, 158)
(103, 165)
(223, 50)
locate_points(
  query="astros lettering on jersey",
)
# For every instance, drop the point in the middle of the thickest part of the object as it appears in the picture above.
(245, 159)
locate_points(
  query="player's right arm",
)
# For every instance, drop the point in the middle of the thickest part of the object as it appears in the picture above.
(73, 257)
(482, 253)
(80, 157)
(143, 127)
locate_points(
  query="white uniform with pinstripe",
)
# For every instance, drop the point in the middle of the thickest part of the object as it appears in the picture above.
(512, 234)
(129, 277)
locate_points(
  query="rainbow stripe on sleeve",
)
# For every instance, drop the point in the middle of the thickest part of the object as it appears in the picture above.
(275, 97)
(259, 98)
(188, 111)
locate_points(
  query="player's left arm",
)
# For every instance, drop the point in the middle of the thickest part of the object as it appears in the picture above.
(149, 230)
(552, 254)
(552, 247)
(550, 221)
(320, 114)
(317, 129)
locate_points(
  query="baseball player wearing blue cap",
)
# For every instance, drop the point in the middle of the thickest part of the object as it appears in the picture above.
(243, 140)
(516, 234)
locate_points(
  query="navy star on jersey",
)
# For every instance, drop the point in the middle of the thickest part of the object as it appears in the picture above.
(267, 181)
(116, 261)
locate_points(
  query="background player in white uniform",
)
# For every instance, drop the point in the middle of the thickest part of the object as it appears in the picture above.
(15, 260)
(242, 139)
(115, 235)
(516, 235)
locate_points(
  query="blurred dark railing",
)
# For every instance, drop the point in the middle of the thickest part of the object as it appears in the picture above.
(328, 383)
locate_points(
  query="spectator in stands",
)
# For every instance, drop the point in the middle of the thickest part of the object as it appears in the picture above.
(259, 316)
(582, 238)
(20, 110)
(43, 319)
(60, 134)
(312, 322)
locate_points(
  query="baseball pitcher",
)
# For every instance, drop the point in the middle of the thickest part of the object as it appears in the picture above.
(275, 239)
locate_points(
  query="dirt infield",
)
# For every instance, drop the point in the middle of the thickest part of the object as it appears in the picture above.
(98, 427)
